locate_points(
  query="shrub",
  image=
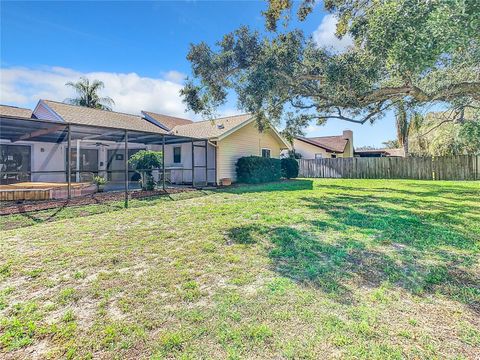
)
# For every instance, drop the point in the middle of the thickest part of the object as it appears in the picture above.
(256, 169)
(293, 154)
(144, 161)
(289, 168)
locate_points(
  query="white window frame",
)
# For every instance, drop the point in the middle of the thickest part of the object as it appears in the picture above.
(318, 156)
(269, 153)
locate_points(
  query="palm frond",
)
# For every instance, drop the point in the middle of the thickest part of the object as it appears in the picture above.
(72, 101)
(87, 94)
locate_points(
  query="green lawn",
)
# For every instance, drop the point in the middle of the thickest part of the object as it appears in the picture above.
(302, 269)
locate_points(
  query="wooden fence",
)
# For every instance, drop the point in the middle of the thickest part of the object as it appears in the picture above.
(462, 167)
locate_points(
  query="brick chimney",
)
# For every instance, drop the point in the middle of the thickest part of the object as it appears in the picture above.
(348, 134)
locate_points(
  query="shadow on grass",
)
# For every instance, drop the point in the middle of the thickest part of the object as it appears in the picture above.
(422, 253)
(284, 185)
(305, 258)
(418, 189)
(50, 216)
(389, 221)
(66, 211)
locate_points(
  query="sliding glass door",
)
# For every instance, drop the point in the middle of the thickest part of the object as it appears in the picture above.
(116, 165)
(15, 163)
(87, 166)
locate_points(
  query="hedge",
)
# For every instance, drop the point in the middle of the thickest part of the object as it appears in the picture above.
(256, 169)
(289, 168)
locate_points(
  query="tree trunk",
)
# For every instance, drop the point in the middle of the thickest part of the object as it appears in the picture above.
(405, 145)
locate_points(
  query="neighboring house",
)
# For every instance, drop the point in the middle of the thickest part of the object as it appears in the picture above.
(396, 152)
(228, 139)
(325, 146)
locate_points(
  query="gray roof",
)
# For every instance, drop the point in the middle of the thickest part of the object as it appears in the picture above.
(167, 121)
(331, 143)
(395, 152)
(211, 128)
(7, 110)
(81, 115)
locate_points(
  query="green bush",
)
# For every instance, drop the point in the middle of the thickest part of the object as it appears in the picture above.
(256, 169)
(289, 168)
(144, 161)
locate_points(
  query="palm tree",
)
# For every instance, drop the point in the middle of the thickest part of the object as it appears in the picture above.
(87, 94)
(401, 122)
(408, 124)
(404, 125)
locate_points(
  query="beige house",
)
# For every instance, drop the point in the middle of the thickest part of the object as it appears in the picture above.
(196, 152)
(325, 146)
(229, 139)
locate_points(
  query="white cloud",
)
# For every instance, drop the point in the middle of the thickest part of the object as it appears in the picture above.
(325, 36)
(131, 92)
(175, 76)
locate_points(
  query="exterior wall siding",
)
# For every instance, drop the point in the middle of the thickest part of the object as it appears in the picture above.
(50, 158)
(182, 172)
(308, 151)
(45, 157)
(42, 113)
(245, 142)
(348, 149)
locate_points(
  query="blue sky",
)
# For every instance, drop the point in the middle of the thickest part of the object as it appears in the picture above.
(137, 48)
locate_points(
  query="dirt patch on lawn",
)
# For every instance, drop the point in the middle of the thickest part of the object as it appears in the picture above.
(97, 198)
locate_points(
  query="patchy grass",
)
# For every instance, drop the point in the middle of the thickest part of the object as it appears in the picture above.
(363, 269)
(69, 212)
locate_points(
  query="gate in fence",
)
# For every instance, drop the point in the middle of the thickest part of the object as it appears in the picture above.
(461, 167)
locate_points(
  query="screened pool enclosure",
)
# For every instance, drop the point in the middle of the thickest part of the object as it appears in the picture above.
(41, 160)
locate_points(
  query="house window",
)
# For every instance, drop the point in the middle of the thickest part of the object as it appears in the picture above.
(318, 156)
(177, 155)
(266, 153)
(334, 156)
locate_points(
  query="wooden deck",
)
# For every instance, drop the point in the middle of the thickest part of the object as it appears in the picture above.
(43, 191)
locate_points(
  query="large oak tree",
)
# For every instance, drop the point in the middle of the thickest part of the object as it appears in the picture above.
(413, 52)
